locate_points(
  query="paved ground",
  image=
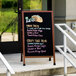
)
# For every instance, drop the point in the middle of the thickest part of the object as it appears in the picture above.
(67, 75)
(32, 63)
(9, 37)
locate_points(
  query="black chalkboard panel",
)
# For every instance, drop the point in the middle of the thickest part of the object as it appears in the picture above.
(38, 30)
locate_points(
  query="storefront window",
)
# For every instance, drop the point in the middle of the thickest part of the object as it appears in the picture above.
(26, 4)
(8, 20)
(32, 4)
(36, 5)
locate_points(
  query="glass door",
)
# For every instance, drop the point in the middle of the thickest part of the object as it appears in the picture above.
(32, 4)
(11, 21)
(8, 21)
(8, 26)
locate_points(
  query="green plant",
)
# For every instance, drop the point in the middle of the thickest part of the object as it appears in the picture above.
(6, 18)
(9, 3)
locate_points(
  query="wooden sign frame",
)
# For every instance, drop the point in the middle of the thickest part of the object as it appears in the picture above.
(23, 38)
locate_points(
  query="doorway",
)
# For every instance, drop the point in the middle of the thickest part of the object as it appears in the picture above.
(11, 22)
(8, 26)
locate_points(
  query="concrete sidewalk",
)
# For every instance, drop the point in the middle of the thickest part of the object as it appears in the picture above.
(63, 75)
(41, 66)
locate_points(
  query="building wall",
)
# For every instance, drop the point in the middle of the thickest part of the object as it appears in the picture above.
(71, 9)
(53, 6)
(60, 8)
(65, 13)
(70, 18)
(59, 17)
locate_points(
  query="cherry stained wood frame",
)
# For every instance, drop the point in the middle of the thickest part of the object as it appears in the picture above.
(23, 40)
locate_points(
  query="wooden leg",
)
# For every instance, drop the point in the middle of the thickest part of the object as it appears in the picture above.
(23, 61)
(49, 59)
(23, 64)
(54, 63)
(54, 59)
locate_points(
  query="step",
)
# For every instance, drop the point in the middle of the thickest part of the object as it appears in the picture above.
(36, 66)
(66, 75)
(47, 72)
